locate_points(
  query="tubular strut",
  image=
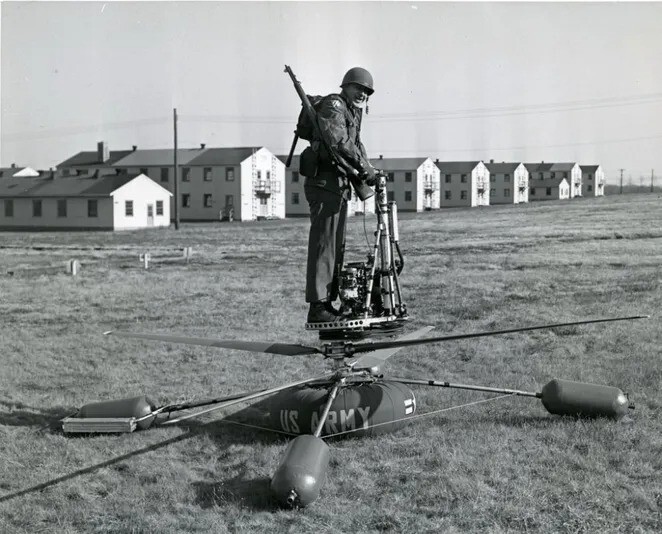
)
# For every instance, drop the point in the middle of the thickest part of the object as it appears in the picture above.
(327, 407)
(438, 383)
(252, 396)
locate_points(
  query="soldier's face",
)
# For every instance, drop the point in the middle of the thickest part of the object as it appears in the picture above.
(356, 94)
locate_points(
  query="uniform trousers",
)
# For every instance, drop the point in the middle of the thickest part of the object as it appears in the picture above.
(328, 215)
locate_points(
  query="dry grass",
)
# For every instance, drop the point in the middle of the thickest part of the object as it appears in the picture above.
(502, 466)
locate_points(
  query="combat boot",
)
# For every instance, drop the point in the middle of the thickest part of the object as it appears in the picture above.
(319, 313)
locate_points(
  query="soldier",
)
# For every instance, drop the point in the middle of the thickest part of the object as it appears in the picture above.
(327, 192)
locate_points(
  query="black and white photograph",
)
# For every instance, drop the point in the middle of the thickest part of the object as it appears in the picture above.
(330, 266)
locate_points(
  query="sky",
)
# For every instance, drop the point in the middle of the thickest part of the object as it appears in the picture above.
(513, 81)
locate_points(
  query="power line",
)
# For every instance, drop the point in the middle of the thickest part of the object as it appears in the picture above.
(75, 130)
(419, 116)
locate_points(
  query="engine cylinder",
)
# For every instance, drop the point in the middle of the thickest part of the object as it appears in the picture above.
(300, 475)
(564, 397)
(134, 407)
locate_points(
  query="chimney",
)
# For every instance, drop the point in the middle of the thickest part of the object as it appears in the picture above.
(134, 147)
(52, 173)
(491, 161)
(202, 145)
(436, 160)
(381, 156)
(103, 154)
(13, 165)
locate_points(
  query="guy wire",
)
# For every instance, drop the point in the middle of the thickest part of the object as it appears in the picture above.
(418, 416)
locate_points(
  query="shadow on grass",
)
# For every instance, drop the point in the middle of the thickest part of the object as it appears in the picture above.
(29, 416)
(247, 493)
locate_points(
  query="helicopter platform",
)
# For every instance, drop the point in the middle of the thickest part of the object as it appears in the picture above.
(358, 327)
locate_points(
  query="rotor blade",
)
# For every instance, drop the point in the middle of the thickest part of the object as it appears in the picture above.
(367, 347)
(248, 397)
(378, 357)
(284, 349)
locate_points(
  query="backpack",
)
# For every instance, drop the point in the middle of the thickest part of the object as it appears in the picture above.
(305, 129)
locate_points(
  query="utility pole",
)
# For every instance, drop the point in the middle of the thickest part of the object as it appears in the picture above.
(621, 180)
(176, 173)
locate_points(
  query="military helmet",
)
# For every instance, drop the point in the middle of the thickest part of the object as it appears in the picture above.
(359, 76)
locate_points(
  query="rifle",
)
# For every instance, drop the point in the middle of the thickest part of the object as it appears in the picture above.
(363, 190)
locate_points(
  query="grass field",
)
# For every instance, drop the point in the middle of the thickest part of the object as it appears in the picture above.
(501, 466)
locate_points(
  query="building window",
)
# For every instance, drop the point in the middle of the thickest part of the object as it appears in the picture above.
(549, 191)
(36, 208)
(407, 196)
(492, 191)
(206, 174)
(448, 178)
(128, 208)
(259, 174)
(229, 174)
(295, 198)
(62, 207)
(447, 195)
(295, 177)
(590, 177)
(390, 196)
(186, 174)
(206, 200)
(92, 208)
(186, 200)
(9, 208)
(391, 178)
(463, 179)
(463, 195)
(506, 192)
(492, 178)
(506, 177)
(533, 191)
(590, 188)
(407, 177)
(159, 207)
(229, 200)
(268, 175)
(143, 170)
(263, 201)
(164, 174)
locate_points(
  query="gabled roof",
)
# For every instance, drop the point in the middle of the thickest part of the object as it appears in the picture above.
(589, 168)
(502, 167)
(16, 186)
(397, 164)
(224, 156)
(159, 157)
(6, 172)
(562, 166)
(294, 165)
(91, 157)
(451, 167)
(539, 167)
(66, 187)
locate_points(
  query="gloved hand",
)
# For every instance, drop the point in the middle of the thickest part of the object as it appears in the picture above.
(369, 177)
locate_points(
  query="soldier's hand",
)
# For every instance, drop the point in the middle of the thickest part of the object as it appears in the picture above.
(369, 177)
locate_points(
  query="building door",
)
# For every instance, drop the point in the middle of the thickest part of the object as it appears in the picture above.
(150, 214)
(264, 207)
